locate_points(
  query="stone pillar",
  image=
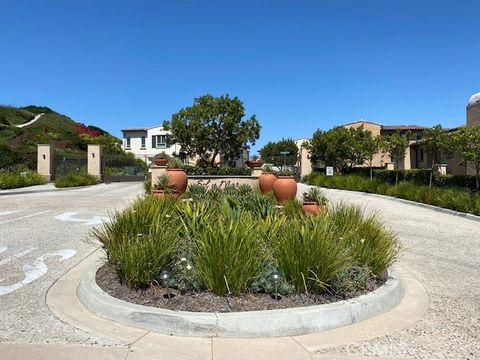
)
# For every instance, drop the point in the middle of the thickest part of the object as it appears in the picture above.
(157, 171)
(94, 161)
(45, 156)
(257, 171)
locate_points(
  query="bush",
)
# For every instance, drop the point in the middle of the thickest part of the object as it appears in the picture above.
(458, 199)
(75, 178)
(17, 178)
(218, 171)
(229, 241)
(141, 240)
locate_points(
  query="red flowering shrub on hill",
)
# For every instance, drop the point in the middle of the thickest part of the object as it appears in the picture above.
(83, 129)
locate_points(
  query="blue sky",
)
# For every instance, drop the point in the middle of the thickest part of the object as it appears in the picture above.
(297, 65)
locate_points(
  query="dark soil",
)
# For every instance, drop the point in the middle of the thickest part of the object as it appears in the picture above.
(157, 296)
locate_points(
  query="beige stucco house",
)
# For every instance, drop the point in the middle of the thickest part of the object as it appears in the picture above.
(416, 155)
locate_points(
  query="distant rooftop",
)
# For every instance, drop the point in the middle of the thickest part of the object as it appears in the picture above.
(403, 127)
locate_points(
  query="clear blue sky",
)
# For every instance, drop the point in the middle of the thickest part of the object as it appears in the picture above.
(298, 65)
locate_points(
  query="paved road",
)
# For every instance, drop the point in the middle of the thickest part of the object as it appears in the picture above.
(37, 227)
(43, 234)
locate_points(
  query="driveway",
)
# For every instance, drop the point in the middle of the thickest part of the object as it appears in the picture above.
(43, 234)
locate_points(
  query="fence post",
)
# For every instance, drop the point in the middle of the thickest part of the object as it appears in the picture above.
(45, 157)
(94, 160)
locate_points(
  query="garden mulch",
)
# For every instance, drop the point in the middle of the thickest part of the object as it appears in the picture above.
(157, 296)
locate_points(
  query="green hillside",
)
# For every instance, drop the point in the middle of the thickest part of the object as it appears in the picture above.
(19, 145)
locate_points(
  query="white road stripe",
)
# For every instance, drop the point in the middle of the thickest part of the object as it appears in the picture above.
(3, 248)
(24, 217)
(16, 256)
(3, 213)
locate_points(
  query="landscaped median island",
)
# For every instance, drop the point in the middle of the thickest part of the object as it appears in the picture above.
(234, 249)
(454, 198)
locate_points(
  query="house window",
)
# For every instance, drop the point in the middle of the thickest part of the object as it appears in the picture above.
(159, 141)
(143, 142)
(127, 142)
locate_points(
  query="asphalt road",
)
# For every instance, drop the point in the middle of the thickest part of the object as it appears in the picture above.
(43, 233)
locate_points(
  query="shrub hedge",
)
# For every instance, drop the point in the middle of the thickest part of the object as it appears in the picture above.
(17, 178)
(75, 178)
(219, 171)
(455, 198)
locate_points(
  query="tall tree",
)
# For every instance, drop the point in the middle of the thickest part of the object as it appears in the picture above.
(467, 142)
(396, 146)
(213, 126)
(339, 147)
(274, 152)
(438, 142)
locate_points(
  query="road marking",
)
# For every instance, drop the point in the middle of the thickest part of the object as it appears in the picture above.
(3, 248)
(24, 217)
(3, 213)
(36, 270)
(16, 256)
(95, 220)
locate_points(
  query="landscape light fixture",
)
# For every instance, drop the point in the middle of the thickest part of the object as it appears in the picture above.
(165, 276)
(276, 277)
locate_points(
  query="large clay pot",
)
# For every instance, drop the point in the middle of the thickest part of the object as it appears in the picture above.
(178, 179)
(265, 182)
(254, 163)
(160, 162)
(285, 188)
(159, 193)
(310, 208)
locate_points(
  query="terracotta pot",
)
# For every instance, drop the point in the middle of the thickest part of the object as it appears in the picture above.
(159, 193)
(178, 179)
(310, 208)
(254, 163)
(265, 182)
(160, 162)
(285, 188)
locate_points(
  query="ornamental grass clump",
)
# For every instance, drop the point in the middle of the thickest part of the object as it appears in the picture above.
(228, 252)
(141, 240)
(369, 242)
(309, 253)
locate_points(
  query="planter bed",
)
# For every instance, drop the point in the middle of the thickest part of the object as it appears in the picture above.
(156, 296)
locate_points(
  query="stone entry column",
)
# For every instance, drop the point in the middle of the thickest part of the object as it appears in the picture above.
(157, 171)
(45, 156)
(94, 161)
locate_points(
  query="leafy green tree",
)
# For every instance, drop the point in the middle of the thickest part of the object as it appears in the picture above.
(339, 147)
(438, 142)
(272, 152)
(467, 143)
(213, 126)
(396, 146)
(371, 146)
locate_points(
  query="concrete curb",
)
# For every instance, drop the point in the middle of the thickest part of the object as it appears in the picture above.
(272, 323)
(410, 202)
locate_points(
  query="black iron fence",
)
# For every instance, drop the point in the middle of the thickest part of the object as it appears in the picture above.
(63, 165)
(119, 167)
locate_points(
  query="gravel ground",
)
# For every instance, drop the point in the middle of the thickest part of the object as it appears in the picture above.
(443, 252)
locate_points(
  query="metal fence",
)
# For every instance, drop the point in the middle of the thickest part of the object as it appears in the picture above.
(119, 167)
(63, 165)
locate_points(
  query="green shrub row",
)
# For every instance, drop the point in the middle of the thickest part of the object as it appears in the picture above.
(219, 171)
(458, 199)
(230, 240)
(75, 178)
(11, 179)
